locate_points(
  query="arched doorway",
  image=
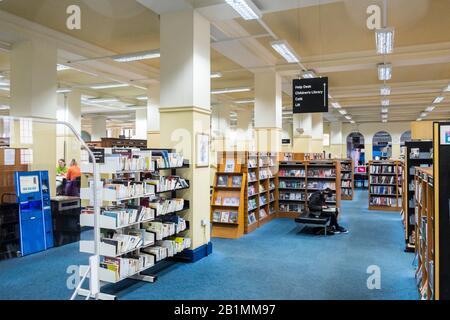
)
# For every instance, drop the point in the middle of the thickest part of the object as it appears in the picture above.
(355, 148)
(406, 136)
(382, 146)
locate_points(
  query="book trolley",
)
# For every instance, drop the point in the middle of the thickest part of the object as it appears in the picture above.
(139, 227)
(385, 185)
(417, 154)
(347, 179)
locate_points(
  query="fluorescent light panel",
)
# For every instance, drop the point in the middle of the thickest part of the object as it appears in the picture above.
(309, 74)
(343, 112)
(385, 40)
(385, 102)
(336, 105)
(61, 67)
(142, 98)
(230, 90)
(104, 100)
(384, 72)
(446, 89)
(246, 9)
(283, 48)
(145, 55)
(245, 101)
(110, 86)
(348, 117)
(216, 75)
(423, 115)
(430, 108)
(63, 90)
(384, 116)
(384, 110)
(385, 91)
(438, 99)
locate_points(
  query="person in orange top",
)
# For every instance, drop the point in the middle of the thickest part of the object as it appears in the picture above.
(74, 171)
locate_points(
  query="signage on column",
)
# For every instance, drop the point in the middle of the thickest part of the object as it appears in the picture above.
(99, 155)
(310, 95)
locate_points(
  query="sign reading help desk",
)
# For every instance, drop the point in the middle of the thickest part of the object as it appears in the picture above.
(310, 95)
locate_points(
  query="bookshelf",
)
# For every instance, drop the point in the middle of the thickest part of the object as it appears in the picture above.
(385, 185)
(424, 232)
(228, 199)
(417, 154)
(347, 179)
(297, 180)
(142, 222)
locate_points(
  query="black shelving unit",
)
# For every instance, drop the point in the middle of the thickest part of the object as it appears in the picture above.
(424, 158)
(9, 231)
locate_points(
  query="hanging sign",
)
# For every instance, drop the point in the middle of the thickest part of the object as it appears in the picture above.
(310, 95)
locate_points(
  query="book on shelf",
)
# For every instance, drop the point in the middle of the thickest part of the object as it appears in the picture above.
(164, 229)
(216, 216)
(222, 181)
(300, 173)
(127, 266)
(293, 196)
(167, 183)
(382, 179)
(383, 168)
(261, 188)
(236, 181)
(251, 218)
(225, 216)
(252, 177)
(218, 201)
(252, 204)
(289, 207)
(231, 201)
(321, 185)
(388, 190)
(272, 185)
(165, 159)
(385, 201)
(262, 200)
(158, 252)
(262, 214)
(322, 173)
(347, 192)
(127, 215)
(251, 190)
(229, 165)
(164, 206)
(292, 184)
(252, 163)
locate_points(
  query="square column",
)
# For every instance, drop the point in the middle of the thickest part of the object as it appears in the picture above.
(153, 118)
(302, 128)
(185, 107)
(98, 130)
(337, 145)
(69, 110)
(33, 94)
(317, 133)
(268, 111)
(141, 124)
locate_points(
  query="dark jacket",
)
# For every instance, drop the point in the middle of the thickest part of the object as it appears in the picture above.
(316, 201)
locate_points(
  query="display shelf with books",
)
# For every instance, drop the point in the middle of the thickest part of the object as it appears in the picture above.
(424, 231)
(417, 154)
(297, 180)
(385, 185)
(228, 198)
(143, 222)
(347, 179)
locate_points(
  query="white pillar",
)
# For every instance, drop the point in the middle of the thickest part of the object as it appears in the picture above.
(141, 124)
(302, 131)
(185, 107)
(33, 94)
(98, 128)
(153, 117)
(337, 144)
(317, 133)
(268, 111)
(69, 110)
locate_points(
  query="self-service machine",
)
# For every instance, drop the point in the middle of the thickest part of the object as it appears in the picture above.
(35, 216)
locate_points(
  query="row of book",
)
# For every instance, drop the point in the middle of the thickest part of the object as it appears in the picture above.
(321, 185)
(127, 266)
(379, 169)
(227, 201)
(169, 247)
(271, 185)
(125, 216)
(292, 184)
(165, 206)
(262, 214)
(346, 176)
(322, 173)
(300, 173)
(382, 180)
(252, 177)
(252, 218)
(251, 190)
(385, 201)
(346, 183)
(383, 190)
(293, 196)
(165, 229)
(291, 207)
(128, 240)
(128, 189)
(346, 167)
(226, 181)
(225, 216)
(265, 174)
(262, 200)
(347, 192)
(165, 159)
(119, 160)
(167, 183)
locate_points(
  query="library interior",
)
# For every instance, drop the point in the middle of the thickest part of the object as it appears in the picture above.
(224, 150)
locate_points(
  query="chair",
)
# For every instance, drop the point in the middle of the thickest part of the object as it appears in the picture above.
(313, 220)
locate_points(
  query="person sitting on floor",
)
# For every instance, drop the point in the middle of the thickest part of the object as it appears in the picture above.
(317, 204)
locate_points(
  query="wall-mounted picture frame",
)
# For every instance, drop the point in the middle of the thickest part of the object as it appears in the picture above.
(202, 145)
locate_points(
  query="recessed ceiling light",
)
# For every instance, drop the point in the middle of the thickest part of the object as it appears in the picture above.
(245, 101)
(104, 100)
(246, 9)
(384, 116)
(385, 40)
(283, 48)
(384, 110)
(348, 117)
(109, 86)
(384, 71)
(309, 74)
(63, 90)
(385, 91)
(419, 119)
(216, 75)
(352, 122)
(142, 98)
(384, 121)
(430, 108)
(343, 112)
(385, 102)
(230, 90)
(336, 105)
(61, 67)
(145, 55)
(423, 115)
(439, 99)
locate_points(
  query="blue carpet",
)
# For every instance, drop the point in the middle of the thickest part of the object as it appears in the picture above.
(274, 262)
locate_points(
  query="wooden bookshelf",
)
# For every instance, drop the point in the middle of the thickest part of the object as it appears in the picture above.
(347, 179)
(417, 154)
(297, 180)
(385, 185)
(11, 161)
(424, 231)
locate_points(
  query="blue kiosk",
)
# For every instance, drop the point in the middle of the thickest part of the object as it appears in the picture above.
(35, 216)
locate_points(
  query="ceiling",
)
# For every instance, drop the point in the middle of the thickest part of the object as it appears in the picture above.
(330, 36)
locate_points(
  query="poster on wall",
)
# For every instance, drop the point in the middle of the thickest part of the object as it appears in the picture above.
(202, 148)
(310, 95)
(445, 135)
